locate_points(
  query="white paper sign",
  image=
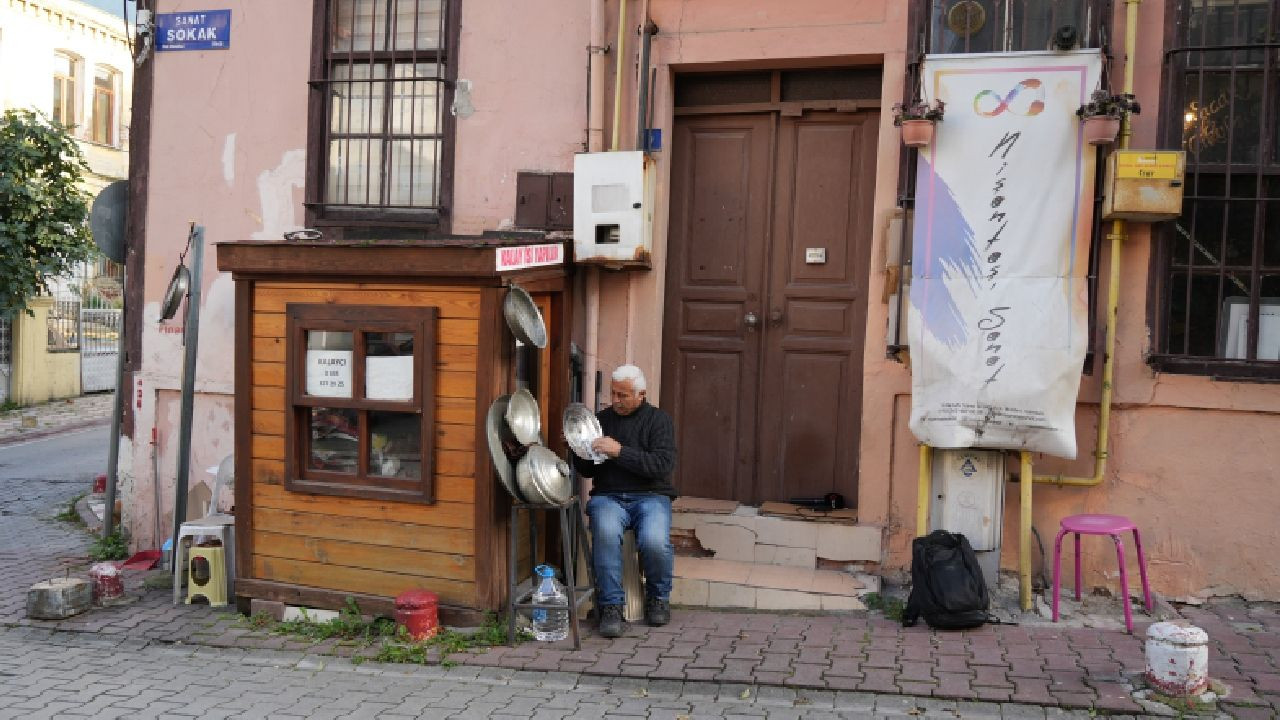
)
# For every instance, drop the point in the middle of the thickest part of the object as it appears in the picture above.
(329, 373)
(998, 320)
(388, 378)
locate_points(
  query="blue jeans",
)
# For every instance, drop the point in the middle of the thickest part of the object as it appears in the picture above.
(650, 516)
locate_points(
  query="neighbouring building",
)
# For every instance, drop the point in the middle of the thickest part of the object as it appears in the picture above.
(70, 62)
(762, 299)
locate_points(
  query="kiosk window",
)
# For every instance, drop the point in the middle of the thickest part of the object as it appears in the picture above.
(361, 401)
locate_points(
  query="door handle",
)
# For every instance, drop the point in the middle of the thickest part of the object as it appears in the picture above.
(751, 320)
(775, 317)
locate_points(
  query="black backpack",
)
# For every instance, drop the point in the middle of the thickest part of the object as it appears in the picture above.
(947, 587)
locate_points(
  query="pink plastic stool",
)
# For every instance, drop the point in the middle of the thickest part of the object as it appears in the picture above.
(1111, 525)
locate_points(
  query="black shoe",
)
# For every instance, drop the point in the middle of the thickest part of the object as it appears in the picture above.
(657, 612)
(611, 623)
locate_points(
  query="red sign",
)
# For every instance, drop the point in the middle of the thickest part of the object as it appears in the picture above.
(527, 256)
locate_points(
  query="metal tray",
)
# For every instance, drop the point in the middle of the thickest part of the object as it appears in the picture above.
(524, 318)
(524, 419)
(580, 428)
(495, 427)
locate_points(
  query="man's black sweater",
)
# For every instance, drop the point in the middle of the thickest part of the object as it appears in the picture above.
(648, 456)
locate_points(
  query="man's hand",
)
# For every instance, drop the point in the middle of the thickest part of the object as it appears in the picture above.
(607, 445)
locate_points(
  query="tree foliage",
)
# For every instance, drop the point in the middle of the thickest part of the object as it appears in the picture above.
(44, 214)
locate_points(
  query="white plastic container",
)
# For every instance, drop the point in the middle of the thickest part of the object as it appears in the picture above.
(1177, 658)
(551, 617)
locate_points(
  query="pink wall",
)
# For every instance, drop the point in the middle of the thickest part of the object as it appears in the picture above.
(228, 151)
(1192, 460)
(228, 132)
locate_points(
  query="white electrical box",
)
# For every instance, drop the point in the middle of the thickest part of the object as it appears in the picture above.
(613, 209)
(968, 498)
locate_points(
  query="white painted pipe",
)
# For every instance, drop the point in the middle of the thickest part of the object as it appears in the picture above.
(1177, 658)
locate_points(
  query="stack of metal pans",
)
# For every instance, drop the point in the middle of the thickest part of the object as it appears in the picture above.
(514, 422)
(539, 477)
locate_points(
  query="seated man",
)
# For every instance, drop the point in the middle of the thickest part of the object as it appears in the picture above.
(632, 489)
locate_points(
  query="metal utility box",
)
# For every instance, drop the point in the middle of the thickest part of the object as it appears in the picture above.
(613, 209)
(1144, 185)
(968, 498)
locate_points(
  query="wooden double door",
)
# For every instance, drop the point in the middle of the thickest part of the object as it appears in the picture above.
(765, 306)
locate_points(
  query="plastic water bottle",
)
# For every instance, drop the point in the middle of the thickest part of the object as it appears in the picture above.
(551, 617)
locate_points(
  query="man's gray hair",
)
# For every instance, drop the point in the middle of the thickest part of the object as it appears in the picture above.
(630, 373)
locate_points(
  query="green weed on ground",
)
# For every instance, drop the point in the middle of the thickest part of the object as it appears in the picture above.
(111, 547)
(396, 645)
(403, 649)
(890, 607)
(69, 513)
(349, 625)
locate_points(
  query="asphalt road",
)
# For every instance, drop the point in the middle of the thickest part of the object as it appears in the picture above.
(71, 457)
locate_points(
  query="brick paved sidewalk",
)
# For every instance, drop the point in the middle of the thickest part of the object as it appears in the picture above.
(1055, 667)
(42, 420)
(1047, 665)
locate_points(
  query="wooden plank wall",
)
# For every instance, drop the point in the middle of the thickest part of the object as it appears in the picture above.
(352, 544)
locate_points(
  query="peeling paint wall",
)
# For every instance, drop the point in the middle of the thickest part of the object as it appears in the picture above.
(227, 153)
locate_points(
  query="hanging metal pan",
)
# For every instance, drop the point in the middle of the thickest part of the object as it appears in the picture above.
(524, 318)
(495, 426)
(524, 419)
(178, 288)
(543, 477)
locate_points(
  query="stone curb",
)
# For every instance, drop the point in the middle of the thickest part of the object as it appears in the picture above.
(43, 433)
(91, 521)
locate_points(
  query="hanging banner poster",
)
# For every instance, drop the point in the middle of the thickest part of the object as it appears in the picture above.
(998, 319)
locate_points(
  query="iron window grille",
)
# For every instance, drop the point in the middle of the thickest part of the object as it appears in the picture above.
(1217, 267)
(380, 125)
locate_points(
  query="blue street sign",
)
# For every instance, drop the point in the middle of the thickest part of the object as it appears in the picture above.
(654, 140)
(194, 30)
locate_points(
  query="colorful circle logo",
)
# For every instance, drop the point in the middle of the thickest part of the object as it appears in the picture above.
(1026, 99)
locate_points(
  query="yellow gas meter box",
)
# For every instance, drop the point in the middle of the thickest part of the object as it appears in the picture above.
(1144, 185)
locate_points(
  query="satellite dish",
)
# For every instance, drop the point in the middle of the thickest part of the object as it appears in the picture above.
(106, 220)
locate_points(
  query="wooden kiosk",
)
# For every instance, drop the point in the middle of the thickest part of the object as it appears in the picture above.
(363, 375)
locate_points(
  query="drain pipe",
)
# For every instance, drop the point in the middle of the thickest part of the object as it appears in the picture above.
(617, 75)
(1117, 236)
(595, 143)
(923, 491)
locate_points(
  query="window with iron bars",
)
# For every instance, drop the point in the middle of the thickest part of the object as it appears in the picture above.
(1218, 265)
(380, 129)
(988, 26)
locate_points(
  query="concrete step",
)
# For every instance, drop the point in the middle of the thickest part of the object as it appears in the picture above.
(712, 582)
(742, 533)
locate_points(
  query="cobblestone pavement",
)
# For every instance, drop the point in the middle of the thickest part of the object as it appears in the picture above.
(44, 674)
(1047, 667)
(57, 415)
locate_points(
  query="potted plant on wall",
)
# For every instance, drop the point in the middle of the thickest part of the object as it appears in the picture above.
(1101, 116)
(916, 119)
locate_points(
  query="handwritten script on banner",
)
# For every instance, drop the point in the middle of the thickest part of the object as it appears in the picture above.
(998, 320)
